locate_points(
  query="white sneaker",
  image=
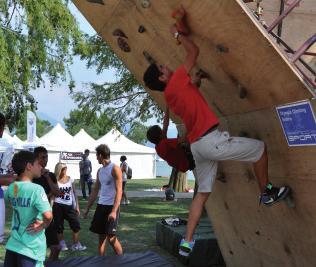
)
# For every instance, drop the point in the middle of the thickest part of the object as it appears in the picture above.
(78, 247)
(63, 245)
(123, 202)
(128, 202)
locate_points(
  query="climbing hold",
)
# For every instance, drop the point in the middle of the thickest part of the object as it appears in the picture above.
(123, 45)
(149, 58)
(289, 200)
(202, 74)
(96, 2)
(141, 29)
(243, 134)
(250, 175)
(221, 177)
(242, 91)
(145, 3)
(119, 33)
(222, 49)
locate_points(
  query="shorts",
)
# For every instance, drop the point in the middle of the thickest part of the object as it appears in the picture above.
(13, 259)
(100, 223)
(51, 235)
(219, 146)
(63, 212)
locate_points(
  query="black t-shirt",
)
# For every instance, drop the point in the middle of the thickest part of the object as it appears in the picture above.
(43, 182)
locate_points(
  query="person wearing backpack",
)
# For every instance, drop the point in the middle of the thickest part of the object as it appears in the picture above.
(125, 175)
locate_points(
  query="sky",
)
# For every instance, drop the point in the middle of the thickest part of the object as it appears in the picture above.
(55, 103)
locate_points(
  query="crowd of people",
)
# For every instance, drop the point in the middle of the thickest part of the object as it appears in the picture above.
(42, 200)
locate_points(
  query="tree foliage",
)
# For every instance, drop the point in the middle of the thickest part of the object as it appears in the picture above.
(94, 124)
(97, 125)
(125, 100)
(35, 41)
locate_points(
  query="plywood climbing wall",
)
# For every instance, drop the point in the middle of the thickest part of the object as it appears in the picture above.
(237, 53)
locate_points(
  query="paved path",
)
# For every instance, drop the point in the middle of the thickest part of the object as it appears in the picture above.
(142, 194)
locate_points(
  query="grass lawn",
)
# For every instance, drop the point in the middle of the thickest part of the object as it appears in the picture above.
(142, 184)
(137, 231)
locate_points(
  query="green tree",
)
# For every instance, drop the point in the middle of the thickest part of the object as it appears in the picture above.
(42, 126)
(98, 125)
(137, 133)
(94, 124)
(35, 41)
(124, 100)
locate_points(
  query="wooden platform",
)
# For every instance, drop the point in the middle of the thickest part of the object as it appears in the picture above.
(249, 235)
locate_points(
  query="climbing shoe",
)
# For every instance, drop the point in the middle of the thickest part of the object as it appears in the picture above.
(272, 194)
(186, 247)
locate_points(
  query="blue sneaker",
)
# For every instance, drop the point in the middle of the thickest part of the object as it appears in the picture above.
(272, 194)
(186, 247)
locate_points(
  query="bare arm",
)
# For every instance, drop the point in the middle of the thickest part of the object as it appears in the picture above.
(117, 174)
(192, 51)
(39, 225)
(165, 123)
(54, 189)
(76, 197)
(93, 196)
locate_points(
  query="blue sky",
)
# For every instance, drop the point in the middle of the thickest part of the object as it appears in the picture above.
(55, 103)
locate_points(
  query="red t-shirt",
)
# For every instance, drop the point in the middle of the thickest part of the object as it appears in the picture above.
(168, 150)
(185, 100)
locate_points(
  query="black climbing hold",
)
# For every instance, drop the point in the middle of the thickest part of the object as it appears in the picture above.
(149, 58)
(222, 49)
(141, 29)
(243, 134)
(231, 252)
(221, 177)
(242, 92)
(119, 33)
(287, 249)
(257, 233)
(96, 2)
(243, 241)
(123, 45)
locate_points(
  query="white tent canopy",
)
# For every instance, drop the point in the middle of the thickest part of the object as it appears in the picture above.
(119, 143)
(58, 139)
(140, 158)
(82, 137)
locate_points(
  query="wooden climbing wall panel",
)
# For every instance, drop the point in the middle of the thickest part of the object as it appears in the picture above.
(260, 236)
(248, 235)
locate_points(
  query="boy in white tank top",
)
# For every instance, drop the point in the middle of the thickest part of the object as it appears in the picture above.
(109, 183)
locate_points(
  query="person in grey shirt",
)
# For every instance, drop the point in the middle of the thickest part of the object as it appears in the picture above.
(85, 173)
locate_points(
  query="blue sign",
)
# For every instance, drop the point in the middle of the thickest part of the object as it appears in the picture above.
(298, 123)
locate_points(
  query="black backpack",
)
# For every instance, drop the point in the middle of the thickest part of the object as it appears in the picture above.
(129, 173)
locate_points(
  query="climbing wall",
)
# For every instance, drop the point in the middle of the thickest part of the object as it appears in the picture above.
(250, 76)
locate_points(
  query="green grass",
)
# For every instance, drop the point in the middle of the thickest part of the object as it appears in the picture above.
(142, 184)
(136, 227)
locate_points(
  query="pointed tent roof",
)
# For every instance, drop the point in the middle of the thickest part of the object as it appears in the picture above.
(84, 139)
(5, 141)
(58, 139)
(7, 137)
(120, 143)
